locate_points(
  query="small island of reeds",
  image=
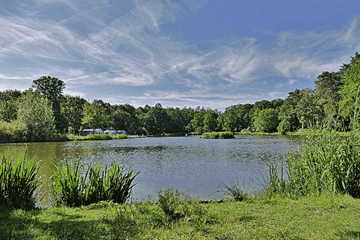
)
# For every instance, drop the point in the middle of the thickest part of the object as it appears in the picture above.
(217, 135)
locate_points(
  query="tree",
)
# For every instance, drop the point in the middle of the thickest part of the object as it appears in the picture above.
(52, 88)
(94, 115)
(36, 114)
(308, 111)
(287, 112)
(72, 109)
(121, 120)
(157, 120)
(327, 89)
(266, 120)
(351, 92)
(210, 121)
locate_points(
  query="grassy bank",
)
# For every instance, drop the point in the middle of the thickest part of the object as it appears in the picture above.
(217, 135)
(325, 217)
(97, 137)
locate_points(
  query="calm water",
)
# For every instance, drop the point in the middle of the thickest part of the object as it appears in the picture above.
(194, 165)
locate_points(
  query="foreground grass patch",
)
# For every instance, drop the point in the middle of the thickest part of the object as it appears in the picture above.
(324, 217)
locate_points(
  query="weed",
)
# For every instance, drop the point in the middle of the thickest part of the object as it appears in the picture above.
(18, 181)
(170, 201)
(235, 190)
(73, 189)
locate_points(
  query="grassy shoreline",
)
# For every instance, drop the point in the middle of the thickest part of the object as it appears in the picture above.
(323, 217)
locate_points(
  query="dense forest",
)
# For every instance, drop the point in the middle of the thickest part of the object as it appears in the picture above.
(44, 113)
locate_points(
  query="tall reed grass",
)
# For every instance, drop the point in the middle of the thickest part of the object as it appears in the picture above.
(73, 188)
(18, 181)
(327, 162)
(217, 135)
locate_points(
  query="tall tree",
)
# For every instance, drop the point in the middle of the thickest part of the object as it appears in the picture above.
(308, 111)
(266, 120)
(72, 109)
(52, 88)
(94, 115)
(351, 91)
(36, 114)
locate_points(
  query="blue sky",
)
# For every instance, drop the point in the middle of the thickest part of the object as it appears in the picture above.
(211, 53)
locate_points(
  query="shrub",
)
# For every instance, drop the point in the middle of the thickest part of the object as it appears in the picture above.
(326, 163)
(18, 182)
(234, 190)
(217, 135)
(73, 189)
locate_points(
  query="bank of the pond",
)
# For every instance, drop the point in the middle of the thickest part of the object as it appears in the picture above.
(324, 217)
(96, 137)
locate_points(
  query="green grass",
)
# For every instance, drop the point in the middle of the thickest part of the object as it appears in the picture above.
(97, 137)
(324, 217)
(217, 135)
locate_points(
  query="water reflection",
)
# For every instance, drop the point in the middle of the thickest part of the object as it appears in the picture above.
(194, 165)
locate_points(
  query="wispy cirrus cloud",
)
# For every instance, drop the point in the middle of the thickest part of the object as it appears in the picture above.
(133, 49)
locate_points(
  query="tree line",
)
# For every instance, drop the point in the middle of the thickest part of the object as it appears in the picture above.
(43, 112)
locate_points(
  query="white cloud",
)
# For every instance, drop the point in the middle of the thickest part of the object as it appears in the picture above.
(133, 49)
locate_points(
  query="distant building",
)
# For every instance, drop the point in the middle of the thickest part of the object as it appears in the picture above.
(110, 132)
(86, 132)
(121, 132)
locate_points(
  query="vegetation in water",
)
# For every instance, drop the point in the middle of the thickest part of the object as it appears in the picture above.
(97, 137)
(73, 187)
(19, 181)
(217, 135)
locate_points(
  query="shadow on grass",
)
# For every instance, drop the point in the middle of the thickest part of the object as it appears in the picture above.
(14, 224)
(246, 218)
(350, 235)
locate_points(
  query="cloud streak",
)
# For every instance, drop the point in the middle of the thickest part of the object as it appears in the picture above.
(134, 49)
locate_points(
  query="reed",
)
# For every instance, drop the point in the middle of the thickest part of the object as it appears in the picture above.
(74, 189)
(217, 135)
(18, 181)
(328, 162)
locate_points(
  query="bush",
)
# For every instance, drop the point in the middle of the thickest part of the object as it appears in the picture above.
(326, 163)
(73, 189)
(12, 132)
(18, 182)
(217, 135)
(235, 190)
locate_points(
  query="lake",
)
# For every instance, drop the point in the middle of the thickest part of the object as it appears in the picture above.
(194, 165)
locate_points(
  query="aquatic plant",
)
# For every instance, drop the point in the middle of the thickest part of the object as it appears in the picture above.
(72, 188)
(217, 135)
(18, 181)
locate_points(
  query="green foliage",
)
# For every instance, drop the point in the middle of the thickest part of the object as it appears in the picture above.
(94, 115)
(37, 116)
(72, 109)
(326, 163)
(176, 206)
(51, 88)
(217, 135)
(308, 111)
(350, 91)
(12, 132)
(170, 201)
(266, 120)
(18, 181)
(235, 190)
(73, 188)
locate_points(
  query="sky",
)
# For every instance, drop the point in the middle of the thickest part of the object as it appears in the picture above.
(180, 53)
